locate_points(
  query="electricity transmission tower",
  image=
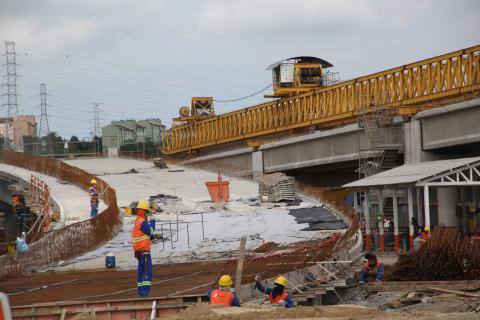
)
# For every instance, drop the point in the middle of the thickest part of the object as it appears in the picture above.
(96, 129)
(11, 89)
(44, 129)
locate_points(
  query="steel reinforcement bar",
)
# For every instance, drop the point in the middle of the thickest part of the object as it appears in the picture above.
(401, 88)
(74, 239)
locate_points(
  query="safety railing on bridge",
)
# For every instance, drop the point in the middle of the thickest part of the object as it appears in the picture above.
(40, 196)
(403, 88)
(74, 239)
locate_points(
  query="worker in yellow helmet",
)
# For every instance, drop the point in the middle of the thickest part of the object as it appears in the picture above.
(224, 295)
(93, 198)
(277, 294)
(142, 234)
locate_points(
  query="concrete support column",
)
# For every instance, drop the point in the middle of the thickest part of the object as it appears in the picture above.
(366, 213)
(464, 210)
(380, 221)
(410, 216)
(396, 238)
(426, 204)
(420, 219)
(447, 200)
(257, 162)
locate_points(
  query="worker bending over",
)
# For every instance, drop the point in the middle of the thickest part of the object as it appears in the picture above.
(373, 269)
(141, 241)
(224, 295)
(277, 294)
(92, 191)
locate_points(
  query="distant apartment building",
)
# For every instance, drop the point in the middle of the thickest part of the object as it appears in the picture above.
(15, 128)
(124, 132)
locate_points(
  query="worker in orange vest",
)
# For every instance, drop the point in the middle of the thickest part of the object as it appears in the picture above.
(142, 233)
(424, 235)
(277, 295)
(224, 295)
(373, 269)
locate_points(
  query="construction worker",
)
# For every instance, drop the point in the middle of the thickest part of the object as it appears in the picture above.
(277, 295)
(19, 210)
(424, 235)
(142, 233)
(224, 295)
(94, 205)
(373, 269)
(93, 198)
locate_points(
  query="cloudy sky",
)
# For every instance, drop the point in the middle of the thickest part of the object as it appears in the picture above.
(146, 58)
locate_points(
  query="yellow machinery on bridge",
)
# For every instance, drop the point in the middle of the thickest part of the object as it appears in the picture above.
(306, 100)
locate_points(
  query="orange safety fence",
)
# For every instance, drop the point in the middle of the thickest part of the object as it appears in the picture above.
(40, 195)
(72, 240)
(303, 255)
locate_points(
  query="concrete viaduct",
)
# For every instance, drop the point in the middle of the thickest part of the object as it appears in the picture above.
(330, 158)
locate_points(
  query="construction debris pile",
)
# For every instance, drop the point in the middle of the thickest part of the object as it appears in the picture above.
(447, 255)
(160, 163)
(277, 187)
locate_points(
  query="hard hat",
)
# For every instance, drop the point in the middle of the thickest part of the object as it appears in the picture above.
(281, 281)
(143, 204)
(427, 228)
(225, 281)
(93, 181)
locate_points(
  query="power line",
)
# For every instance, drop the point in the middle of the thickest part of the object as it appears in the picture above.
(245, 97)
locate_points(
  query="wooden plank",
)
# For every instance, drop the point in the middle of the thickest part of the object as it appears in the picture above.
(241, 256)
(456, 292)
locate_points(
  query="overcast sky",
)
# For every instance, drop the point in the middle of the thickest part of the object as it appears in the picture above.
(146, 58)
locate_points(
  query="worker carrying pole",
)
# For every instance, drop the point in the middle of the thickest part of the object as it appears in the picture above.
(277, 295)
(224, 295)
(92, 191)
(141, 240)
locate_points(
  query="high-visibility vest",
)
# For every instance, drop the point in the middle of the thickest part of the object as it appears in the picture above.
(366, 266)
(140, 240)
(221, 297)
(282, 296)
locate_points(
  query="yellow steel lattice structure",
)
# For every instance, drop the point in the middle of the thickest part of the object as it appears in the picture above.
(401, 88)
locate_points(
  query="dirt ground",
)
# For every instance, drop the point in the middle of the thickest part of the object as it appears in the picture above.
(340, 312)
(103, 285)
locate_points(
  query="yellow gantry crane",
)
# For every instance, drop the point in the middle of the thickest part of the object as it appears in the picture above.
(307, 97)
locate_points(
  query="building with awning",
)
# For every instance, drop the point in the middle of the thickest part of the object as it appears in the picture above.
(443, 192)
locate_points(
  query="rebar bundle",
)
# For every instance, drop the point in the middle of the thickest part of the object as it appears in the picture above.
(277, 187)
(447, 255)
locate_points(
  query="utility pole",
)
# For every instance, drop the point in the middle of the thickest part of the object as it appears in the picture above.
(96, 129)
(44, 129)
(11, 91)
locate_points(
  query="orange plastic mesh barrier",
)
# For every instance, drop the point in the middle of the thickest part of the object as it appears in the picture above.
(74, 239)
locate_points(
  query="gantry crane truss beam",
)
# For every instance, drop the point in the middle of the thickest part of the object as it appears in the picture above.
(401, 88)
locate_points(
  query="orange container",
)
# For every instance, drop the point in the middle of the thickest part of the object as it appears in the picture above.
(219, 191)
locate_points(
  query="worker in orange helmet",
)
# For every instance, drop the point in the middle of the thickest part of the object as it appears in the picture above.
(142, 233)
(277, 295)
(92, 191)
(224, 295)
